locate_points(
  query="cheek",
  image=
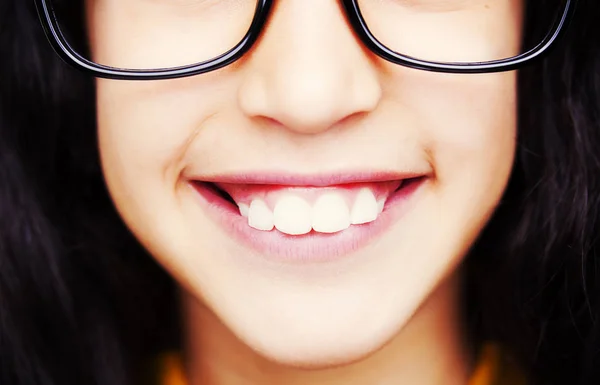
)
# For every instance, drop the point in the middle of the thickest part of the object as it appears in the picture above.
(145, 128)
(468, 124)
(134, 138)
(473, 134)
(144, 132)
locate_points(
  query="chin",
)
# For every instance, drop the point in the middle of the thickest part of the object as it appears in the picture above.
(319, 349)
(319, 332)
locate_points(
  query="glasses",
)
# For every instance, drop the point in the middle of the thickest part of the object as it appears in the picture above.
(162, 39)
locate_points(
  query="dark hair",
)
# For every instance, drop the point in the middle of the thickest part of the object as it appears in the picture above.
(82, 303)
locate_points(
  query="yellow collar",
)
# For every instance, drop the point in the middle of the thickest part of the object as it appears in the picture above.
(489, 370)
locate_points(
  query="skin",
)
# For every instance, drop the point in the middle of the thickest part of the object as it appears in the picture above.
(311, 100)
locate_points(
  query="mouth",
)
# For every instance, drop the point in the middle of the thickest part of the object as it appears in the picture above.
(310, 220)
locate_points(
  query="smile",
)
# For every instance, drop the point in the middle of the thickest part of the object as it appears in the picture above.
(306, 219)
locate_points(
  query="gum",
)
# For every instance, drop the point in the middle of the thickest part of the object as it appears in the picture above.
(270, 194)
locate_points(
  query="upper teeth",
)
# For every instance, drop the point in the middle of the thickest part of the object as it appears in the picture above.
(292, 215)
(260, 216)
(329, 214)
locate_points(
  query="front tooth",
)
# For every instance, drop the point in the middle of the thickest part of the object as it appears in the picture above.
(380, 205)
(365, 208)
(292, 215)
(244, 208)
(330, 213)
(260, 216)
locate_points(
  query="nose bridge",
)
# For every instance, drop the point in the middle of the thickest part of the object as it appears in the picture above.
(308, 71)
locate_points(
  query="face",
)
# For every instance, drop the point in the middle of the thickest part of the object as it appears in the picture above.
(311, 196)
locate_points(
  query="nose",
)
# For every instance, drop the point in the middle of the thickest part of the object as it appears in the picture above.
(308, 72)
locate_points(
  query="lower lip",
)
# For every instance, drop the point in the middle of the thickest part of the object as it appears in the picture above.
(312, 247)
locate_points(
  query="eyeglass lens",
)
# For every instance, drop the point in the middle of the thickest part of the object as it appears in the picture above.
(160, 34)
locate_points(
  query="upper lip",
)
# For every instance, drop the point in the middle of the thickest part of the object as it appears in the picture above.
(313, 180)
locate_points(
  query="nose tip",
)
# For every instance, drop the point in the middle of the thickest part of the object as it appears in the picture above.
(309, 101)
(309, 71)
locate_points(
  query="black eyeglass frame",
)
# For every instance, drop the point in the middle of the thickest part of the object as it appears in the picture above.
(60, 45)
